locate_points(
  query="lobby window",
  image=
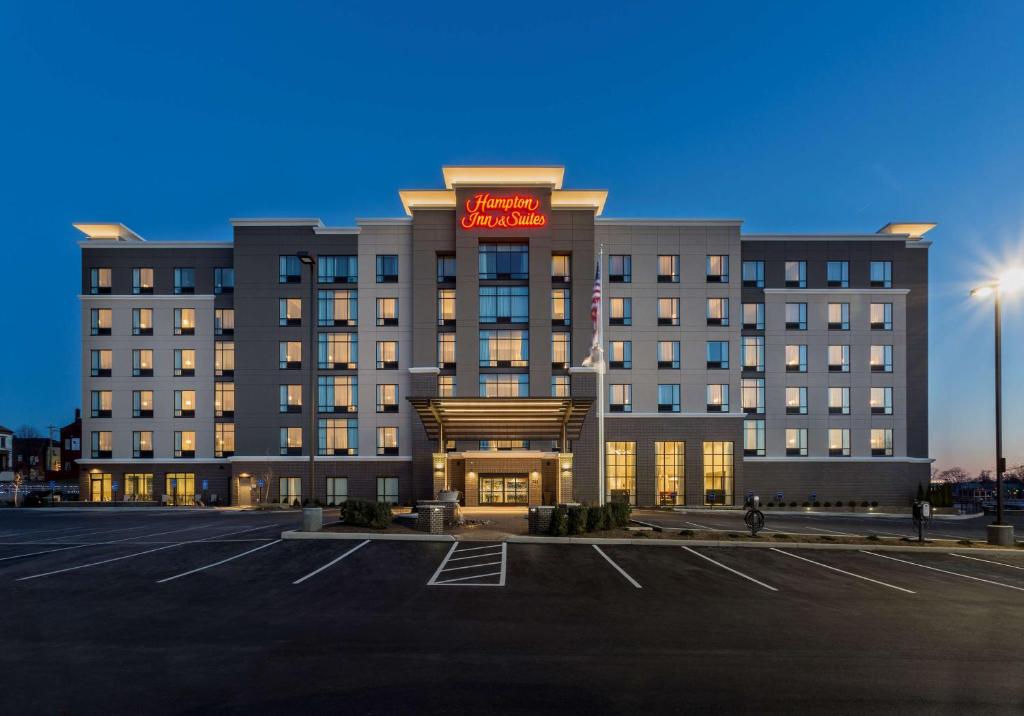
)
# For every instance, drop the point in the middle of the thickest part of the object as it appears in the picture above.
(620, 311)
(289, 398)
(101, 320)
(184, 321)
(839, 359)
(101, 363)
(224, 440)
(102, 444)
(184, 362)
(752, 395)
(138, 486)
(753, 438)
(668, 398)
(669, 471)
(881, 359)
(142, 321)
(445, 350)
(718, 311)
(837, 274)
(223, 280)
(881, 442)
(718, 473)
(620, 268)
(753, 274)
(289, 311)
(668, 269)
(717, 269)
(337, 269)
(337, 436)
(560, 386)
(445, 268)
(337, 351)
(796, 400)
(142, 444)
(142, 362)
(102, 403)
(337, 394)
(668, 311)
(718, 354)
(839, 316)
(620, 354)
(796, 442)
(839, 400)
(446, 306)
(289, 490)
(291, 441)
(881, 274)
(498, 385)
(387, 355)
(184, 403)
(387, 269)
(620, 398)
(180, 487)
(668, 354)
(387, 440)
(796, 274)
(504, 349)
(753, 353)
(224, 399)
(881, 401)
(184, 443)
(387, 490)
(142, 281)
(289, 355)
(337, 308)
(142, 403)
(224, 358)
(224, 322)
(717, 398)
(561, 313)
(796, 359)
(561, 351)
(289, 269)
(796, 316)
(620, 471)
(337, 491)
(99, 281)
(446, 386)
(387, 311)
(387, 398)
(504, 261)
(881, 316)
(184, 280)
(504, 304)
(561, 268)
(839, 442)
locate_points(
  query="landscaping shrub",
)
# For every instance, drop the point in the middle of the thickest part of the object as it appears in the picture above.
(771, 504)
(864, 503)
(806, 504)
(873, 538)
(577, 520)
(618, 514)
(686, 533)
(874, 504)
(363, 513)
(792, 504)
(828, 504)
(559, 522)
(597, 519)
(965, 542)
(781, 535)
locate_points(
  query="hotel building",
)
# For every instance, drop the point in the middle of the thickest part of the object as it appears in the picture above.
(445, 348)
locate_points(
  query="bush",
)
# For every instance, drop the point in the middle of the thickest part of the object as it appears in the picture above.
(686, 533)
(577, 520)
(874, 504)
(618, 514)
(559, 522)
(817, 504)
(363, 513)
(771, 504)
(793, 503)
(781, 535)
(806, 504)
(597, 519)
(828, 504)
(864, 503)
(873, 538)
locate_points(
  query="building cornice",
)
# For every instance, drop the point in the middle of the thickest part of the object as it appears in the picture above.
(276, 222)
(668, 222)
(674, 415)
(146, 297)
(304, 459)
(796, 460)
(153, 245)
(825, 237)
(838, 291)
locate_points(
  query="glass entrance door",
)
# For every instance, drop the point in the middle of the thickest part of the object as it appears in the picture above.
(504, 490)
(181, 488)
(99, 487)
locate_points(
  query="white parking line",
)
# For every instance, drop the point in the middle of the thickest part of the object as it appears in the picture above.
(332, 562)
(617, 567)
(475, 576)
(471, 549)
(944, 571)
(117, 541)
(217, 564)
(730, 569)
(475, 556)
(843, 571)
(443, 567)
(833, 532)
(979, 559)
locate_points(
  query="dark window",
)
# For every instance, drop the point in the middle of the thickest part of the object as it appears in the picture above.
(387, 269)
(184, 280)
(289, 269)
(620, 268)
(881, 274)
(337, 269)
(753, 274)
(838, 274)
(223, 280)
(445, 268)
(504, 261)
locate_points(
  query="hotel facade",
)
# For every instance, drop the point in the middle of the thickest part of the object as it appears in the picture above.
(447, 349)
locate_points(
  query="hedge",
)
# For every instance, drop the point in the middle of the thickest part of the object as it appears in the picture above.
(580, 519)
(363, 513)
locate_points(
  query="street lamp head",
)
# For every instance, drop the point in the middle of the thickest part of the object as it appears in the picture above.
(1012, 279)
(305, 258)
(982, 291)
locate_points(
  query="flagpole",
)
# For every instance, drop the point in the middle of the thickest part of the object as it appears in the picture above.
(600, 392)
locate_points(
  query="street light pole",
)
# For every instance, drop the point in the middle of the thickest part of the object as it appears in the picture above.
(1000, 466)
(306, 259)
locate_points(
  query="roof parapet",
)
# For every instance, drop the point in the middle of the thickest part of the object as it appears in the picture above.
(107, 231)
(911, 229)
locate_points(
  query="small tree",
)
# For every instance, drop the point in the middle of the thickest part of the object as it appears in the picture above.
(18, 478)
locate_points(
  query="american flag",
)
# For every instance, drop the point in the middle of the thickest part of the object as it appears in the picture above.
(594, 359)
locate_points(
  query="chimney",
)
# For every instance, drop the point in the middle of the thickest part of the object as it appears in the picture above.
(78, 414)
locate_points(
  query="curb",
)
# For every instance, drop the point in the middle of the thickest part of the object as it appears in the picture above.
(754, 545)
(791, 513)
(384, 537)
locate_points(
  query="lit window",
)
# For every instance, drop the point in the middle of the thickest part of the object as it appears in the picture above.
(839, 401)
(184, 362)
(290, 355)
(718, 311)
(669, 471)
(289, 311)
(142, 444)
(718, 398)
(184, 321)
(561, 268)
(753, 353)
(224, 399)
(387, 311)
(717, 269)
(102, 403)
(101, 320)
(445, 350)
(620, 268)
(102, 444)
(291, 441)
(881, 316)
(839, 442)
(184, 443)
(668, 269)
(387, 398)
(881, 401)
(796, 316)
(839, 359)
(561, 351)
(142, 362)
(138, 486)
(387, 355)
(101, 363)
(752, 395)
(668, 354)
(620, 354)
(446, 386)
(142, 403)
(796, 400)
(620, 398)
(796, 442)
(668, 311)
(337, 308)
(881, 442)
(839, 316)
(796, 359)
(561, 314)
(337, 351)
(224, 358)
(796, 274)
(559, 386)
(719, 475)
(620, 311)
(224, 321)
(504, 349)
(142, 281)
(99, 281)
(753, 438)
(498, 385)
(224, 440)
(446, 307)
(142, 321)
(337, 436)
(290, 399)
(337, 394)
(387, 440)
(620, 471)
(184, 403)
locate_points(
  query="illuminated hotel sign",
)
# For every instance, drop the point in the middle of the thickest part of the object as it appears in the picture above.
(518, 211)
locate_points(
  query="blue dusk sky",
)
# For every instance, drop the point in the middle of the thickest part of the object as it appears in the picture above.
(173, 117)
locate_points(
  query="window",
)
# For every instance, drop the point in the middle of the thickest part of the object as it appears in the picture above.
(446, 386)
(224, 358)
(102, 444)
(184, 403)
(337, 436)
(837, 274)
(839, 401)
(620, 311)
(387, 311)
(620, 398)
(753, 316)
(881, 274)
(881, 316)
(387, 490)
(718, 473)
(839, 316)
(753, 438)
(101, 320)
(184, 321)
(99, 281)
(289, 355)
(504, 304)
(620, 471)
(138, 486)
(387, 355)
(620, 354)
(387, 269)
(101, 363)
(669, 471)
(102, 403)
(224, 322)
(881, 442)
(337, 394)
(142, 321)
(881, 359)
(387, 398)
(387, 440)
(445, 268)
(718, 354)
(223, 280)
(289, 311)
(504, 348)
(504, 261)
(184, 280)
(839, 442)
(796, 400)
(224, 440)
(445, 350)
(561, 351)
(289, 490)
(337, 308)
(620, 268)
(881, 401)
(560, 386)
(668, 354)
(142, 362)
(224, 399)
(561, 268)
(668, 269)
(752, 395)
(561, 313)
(796, 359)
(337, 491)
(184, 443)
(753, 274)
(142, 403)
(291, 441)
(717, 269)
(796, 442)
(499, 385)
(446, 306)
(289, 269)
(753, 353)
(796, 274)
(718, 398)
(142, 281)
(142, 444)
(337, 269)
(668, 398)
(839, 359)
(796, 316)
(184, 362)
(337, 351)
(668, 311)
(290, 399)
(718, 311)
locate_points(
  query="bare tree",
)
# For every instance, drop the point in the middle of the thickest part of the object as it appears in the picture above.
(954, 474)
(27, 431)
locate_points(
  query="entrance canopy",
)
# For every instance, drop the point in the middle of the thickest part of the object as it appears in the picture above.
(502, 418)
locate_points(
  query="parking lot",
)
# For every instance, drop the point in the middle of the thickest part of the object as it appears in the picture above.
(188, 612)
